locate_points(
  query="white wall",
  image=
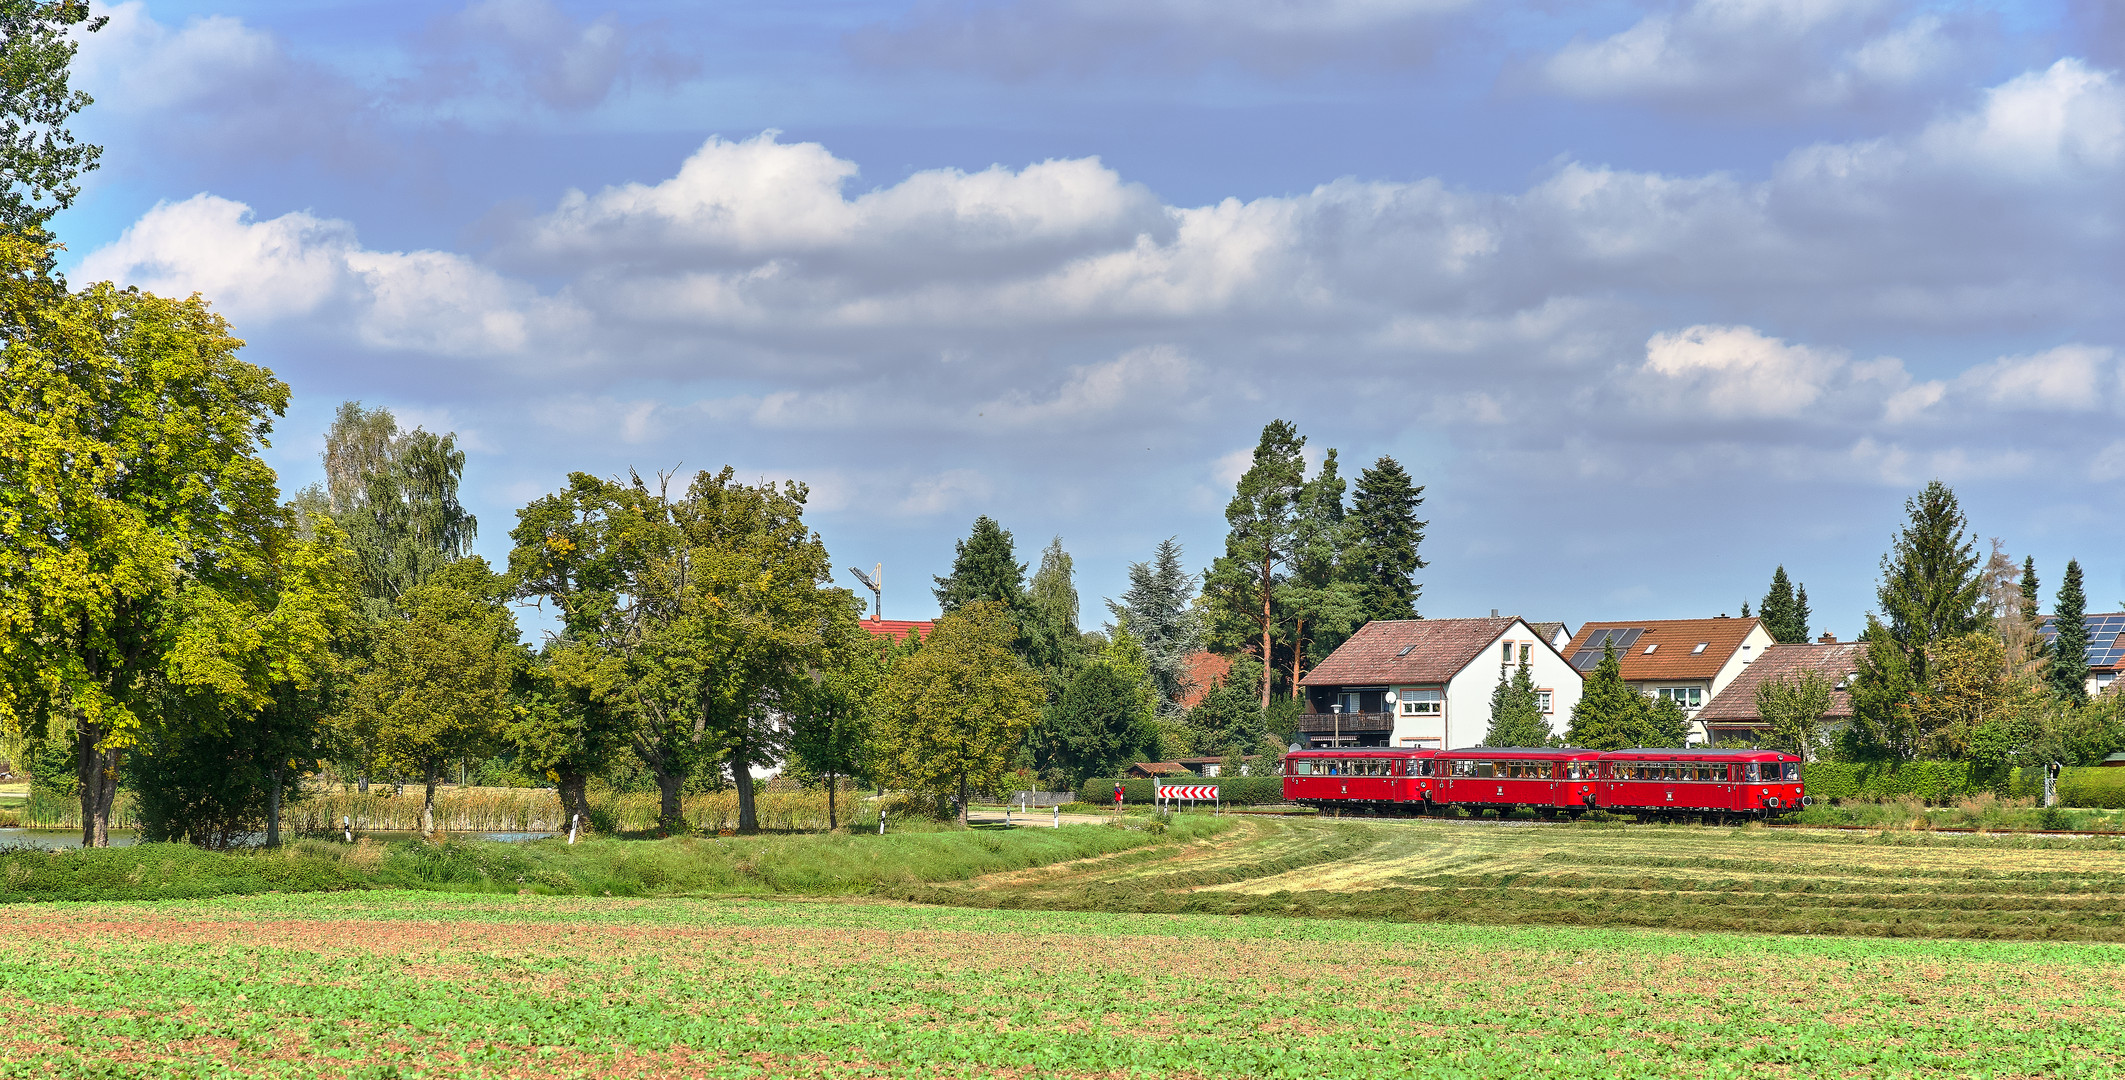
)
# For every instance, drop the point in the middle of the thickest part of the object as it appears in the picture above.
(1467, 716)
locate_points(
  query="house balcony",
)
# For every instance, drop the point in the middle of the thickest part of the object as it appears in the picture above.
(1349, 723)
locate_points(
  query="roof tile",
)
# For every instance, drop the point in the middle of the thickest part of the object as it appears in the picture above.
(1736, 704)
(1677, 639)
(1406, 651)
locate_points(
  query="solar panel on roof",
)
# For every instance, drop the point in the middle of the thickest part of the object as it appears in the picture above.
(1623, 638)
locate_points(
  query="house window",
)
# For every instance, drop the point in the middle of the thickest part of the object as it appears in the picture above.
(1649, 649)
(1508, 657)
(1689, 697)
(1542, 699)
(1424, 701)
(1701, 646)
(1525, 652)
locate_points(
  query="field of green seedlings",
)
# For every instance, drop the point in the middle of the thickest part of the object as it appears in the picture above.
(397, 984)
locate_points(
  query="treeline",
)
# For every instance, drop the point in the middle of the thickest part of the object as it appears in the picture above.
(1307, 561)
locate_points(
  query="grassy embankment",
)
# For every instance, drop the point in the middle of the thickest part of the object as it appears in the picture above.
(391, 984)
(801, 864)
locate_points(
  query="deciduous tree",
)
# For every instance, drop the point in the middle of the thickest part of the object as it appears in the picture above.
(40, 160)
(951, 717)
(830, 719)
(438, 683)
(1793, 709)
(137, 518)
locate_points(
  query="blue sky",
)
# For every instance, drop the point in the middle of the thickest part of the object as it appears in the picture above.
(1652, 296)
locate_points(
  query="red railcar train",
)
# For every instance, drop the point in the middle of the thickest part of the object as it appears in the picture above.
(1548, 780)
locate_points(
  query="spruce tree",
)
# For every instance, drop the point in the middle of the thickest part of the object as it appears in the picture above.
(1384, 536)
(1321, 604)
(2032, 608)
(1777, 610)
(985, 566)
(1515, 714)
(1609, 714)
(1156, 610)
(1931, 588)
(1241, 587)
(1744, 609)
(1801, 616)
(2069, 643)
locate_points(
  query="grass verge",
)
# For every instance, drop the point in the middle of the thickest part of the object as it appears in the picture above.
(799, 864)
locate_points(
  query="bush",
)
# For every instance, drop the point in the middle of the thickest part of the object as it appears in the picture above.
(1232, 790)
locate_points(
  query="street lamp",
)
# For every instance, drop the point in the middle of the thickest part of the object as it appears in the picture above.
(1336, 740)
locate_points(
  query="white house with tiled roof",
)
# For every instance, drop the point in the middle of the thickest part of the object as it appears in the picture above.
(1689, 660)
(1426, 683)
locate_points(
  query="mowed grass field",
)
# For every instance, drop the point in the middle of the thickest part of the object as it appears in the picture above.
(379, 984)
(1888, 884)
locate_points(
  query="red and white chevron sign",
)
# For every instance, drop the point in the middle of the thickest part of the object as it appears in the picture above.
(1188, 791)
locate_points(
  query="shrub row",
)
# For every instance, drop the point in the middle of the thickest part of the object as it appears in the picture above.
(1235, 790)
(1941, 781)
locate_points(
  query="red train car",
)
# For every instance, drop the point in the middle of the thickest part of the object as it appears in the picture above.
(1366, 776)
(1697, 781)
(1503, 777)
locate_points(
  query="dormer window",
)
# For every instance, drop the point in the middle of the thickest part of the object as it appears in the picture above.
(1701, 646)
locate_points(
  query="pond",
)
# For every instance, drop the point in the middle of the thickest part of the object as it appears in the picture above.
(58, 839)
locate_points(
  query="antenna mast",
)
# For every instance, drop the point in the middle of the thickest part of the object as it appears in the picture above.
(874, 581)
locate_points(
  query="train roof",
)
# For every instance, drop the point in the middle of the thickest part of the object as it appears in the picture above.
(1550, 752)
(1657, 753)
(1363, 751)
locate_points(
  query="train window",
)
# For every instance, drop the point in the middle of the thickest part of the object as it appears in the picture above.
(1487, 769)
(1792, 770)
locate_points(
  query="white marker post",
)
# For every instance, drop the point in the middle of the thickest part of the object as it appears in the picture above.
(575, 821)
(347, 823)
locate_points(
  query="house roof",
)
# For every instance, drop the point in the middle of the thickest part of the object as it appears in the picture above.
(1406, 651)
(1676, 655)
(1205, 670)
(897, 629)
(2106, 639)
(1548, 630)
(1160, 768)
(1737, 703)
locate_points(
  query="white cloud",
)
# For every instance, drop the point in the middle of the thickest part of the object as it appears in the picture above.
(1735, 371)
(2067, 121)
(2067, 378)
(299, 266)
(945, 491)
(1757, 54)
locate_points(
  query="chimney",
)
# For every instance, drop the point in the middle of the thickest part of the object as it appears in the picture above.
(1494, 613)
(1827, 638)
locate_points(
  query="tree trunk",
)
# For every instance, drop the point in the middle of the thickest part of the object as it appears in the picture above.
(741, 773)
(362, 783)
(668, 816)
(1298, 650)
(575, 798)
(273, 808)
(96, 770)
(962, 798)
(428, 804)
(1268, 616)
(832, 823)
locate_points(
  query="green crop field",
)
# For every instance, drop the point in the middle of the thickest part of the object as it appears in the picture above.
(381, 984)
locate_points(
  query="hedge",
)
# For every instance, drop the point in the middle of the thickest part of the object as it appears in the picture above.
(1939, 781)
(1235, 790)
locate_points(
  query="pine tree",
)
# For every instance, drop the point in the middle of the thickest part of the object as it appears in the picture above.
(985, 566)
(1801, 616)
(2032, 608)
(1384, 537)
(1777, 610)
(1263, 514)
(1931, 588)
(2068, 669)
(1320, 601)
(1515, 713)
(1156, 610)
